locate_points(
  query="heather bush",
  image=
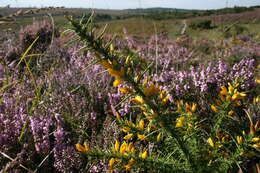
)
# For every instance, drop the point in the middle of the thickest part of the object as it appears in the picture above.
(44, 30)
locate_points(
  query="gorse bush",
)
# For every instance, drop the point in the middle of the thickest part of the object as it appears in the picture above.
(125, 105)
(166, 135)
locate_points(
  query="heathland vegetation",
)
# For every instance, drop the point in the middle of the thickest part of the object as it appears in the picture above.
(144, 90)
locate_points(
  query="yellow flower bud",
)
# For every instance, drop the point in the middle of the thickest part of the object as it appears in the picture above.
(256, 100)
(130, 147)
(230, 113)
(194, 107)
(141, 137)
(87, 147)
(111, 48)
(179, 124)
(214, 108)
(188, 107)
(127, 59)
(141, 124)
(257, 145)
(144, 155)
(211, 142)
(116, 73)
(117, 145)
(239, 140)
(128, 167)
(151, 90)
(256, 139)
(223, 90)
(125, 90)
(158, 138)
(80, 148)
(111, 163)
(117, 82)
(84, 148)
(138, 100)
(235, 96)
(131, 161)
(127, 137)
(105, 64)
(126, 129)
(228, 98)
(123, 147)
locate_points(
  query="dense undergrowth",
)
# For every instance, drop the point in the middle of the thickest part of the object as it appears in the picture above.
(87, 102)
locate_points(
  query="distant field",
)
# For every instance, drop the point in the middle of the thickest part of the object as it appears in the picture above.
(137, 23)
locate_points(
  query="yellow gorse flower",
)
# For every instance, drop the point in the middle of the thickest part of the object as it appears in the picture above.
(116, 73)
(130, 147)
(138, 100)
(158, 137)
(117, 82)
(125, 90)
(151, 90)
(239, 139)
(194, 107)
(141, 137)
(230, 113)
(238, 96)
(126, 129)
(223, 90)
(84, 148)
(164, 97)
(257, 145)
(117, 145)
(214, 108)
(211, 142)
(80, 148)
(141, 124)
(106, 64)
(123, 147)
(129, 165)
(111, 163)
(256, 139)
(190, 108)
(180, 122)
(144, 155)
(256, 100)
(129, 136)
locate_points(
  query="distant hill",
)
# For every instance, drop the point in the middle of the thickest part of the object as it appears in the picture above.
(157, 9)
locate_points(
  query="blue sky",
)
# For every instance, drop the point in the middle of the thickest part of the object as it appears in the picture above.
(123, 4)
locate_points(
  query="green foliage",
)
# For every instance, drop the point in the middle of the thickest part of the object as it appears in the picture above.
(181, 141)
(201, 24)
(234, 30)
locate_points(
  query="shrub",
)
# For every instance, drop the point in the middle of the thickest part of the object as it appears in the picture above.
(235, 30)
(44, 30)
(201, 24)
(162, 135)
